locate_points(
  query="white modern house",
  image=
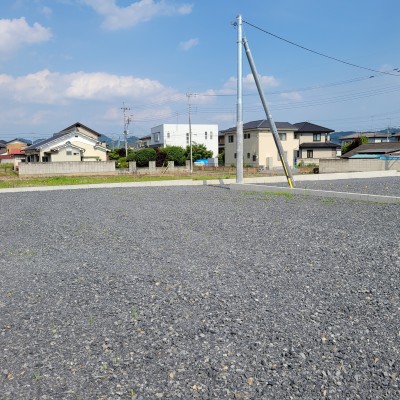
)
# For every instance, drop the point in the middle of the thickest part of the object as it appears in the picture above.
(179, 135)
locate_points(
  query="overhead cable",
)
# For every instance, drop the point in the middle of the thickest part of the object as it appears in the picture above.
(321, 54)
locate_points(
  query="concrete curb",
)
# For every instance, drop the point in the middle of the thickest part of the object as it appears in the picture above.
(316, 193)
(215, 182)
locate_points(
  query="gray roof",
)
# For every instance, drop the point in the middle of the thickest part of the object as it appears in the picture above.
(312, 128)
(20, 140)
(45, 141)
(374, 148)
(78, 125)
(319, 145)
(261, 124)
(366, 134)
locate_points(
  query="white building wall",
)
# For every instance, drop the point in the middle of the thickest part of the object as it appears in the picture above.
(178, 135)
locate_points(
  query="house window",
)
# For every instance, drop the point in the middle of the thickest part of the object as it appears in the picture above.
(247, 135)
(248, 155)
(230, 139)
(156, 137)
(296, 135)
(254, 157)
(316, 137)
(282, 135)
(168, 135)
(235, 155)
(310, 154)
(69, 153)
(187, 138)
(205, 135)
(211, 135)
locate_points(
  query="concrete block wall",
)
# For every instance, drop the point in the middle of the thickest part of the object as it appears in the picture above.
(357, 165)
(67, 168)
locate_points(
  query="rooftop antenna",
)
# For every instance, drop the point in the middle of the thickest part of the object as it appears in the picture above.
(127, 121)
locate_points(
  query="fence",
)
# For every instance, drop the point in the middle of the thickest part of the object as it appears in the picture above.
(357, 165)
(67, 168)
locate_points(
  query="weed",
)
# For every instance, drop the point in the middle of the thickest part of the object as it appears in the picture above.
(36, 376)
(132, 394)
(91, 319)
(134, 314)
(328, 200)
(53, 329)
(284, 194)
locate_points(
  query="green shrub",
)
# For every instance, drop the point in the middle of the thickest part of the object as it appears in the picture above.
(122, 163)
(175, 154)
(131, 155)
(221, 158)
(143, 156)
(199, 152)
(161, 158)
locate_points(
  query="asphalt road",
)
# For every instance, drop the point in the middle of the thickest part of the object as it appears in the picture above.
(198, 293)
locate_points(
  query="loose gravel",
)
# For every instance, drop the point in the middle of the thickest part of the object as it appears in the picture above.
(381, 186)
(197, 293)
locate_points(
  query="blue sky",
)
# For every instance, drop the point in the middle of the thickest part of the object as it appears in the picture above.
(64, 61)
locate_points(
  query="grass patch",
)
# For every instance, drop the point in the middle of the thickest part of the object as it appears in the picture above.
(284, 194)
(92, 180)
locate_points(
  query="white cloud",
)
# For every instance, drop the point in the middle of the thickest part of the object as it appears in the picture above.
(47, 87)
(46, 11)
(230, 85)
(296, 96)
(116, 17)
(15, 33)
(188, 44)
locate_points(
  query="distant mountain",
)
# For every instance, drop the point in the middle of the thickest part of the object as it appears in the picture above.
(114, 143)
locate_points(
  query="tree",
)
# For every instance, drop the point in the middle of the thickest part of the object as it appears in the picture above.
(131, 155)
(355, 143)
(221, 158)
(143, 156)
(161, 157)
(199, 152)
(175, 154)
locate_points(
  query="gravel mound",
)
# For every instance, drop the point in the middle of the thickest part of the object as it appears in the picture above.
(197, 293)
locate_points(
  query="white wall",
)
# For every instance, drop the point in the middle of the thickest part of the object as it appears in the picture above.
(177, 135)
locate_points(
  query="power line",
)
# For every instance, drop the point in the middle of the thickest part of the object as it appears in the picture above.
(321, 54)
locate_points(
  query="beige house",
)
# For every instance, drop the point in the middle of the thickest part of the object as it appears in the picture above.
(75, 143)
(314, 143)
(259, 149)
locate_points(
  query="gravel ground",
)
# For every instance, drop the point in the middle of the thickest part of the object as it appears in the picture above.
(198, 293)
(382, 186)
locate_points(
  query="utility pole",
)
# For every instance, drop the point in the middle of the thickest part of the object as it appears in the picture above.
(189, 95)
(271, 122)
(239, 111)
(127, 120)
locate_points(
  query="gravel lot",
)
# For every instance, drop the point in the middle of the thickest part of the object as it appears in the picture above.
(198, 293)
(382, 186)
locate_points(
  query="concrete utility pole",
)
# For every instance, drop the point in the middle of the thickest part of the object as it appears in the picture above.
(127, 120)
(239, 110)
(189, 95)
(271, 122)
